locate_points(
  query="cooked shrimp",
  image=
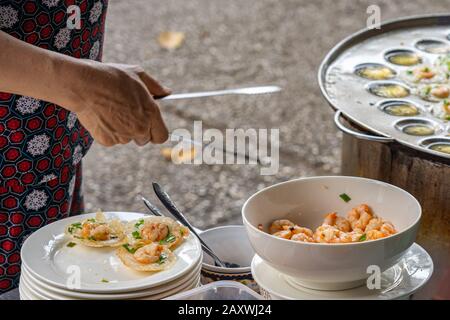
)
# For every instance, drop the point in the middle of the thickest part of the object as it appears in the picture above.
(279, 225)
(360, 216)
(285, 234)
(374, 224)
(326, 234)
(440, 92)
(343, 224)
(154, 231)
(363, 221)
(301, 230)
(424, 73)
(361, 224)
(95, 231)
(332, 219)
(302, 237)
(375, 234)
(347, 237)
(388, 228)
(101, 232)
(86, 230)
(149, 254)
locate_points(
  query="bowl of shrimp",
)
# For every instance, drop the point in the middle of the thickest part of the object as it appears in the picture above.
(328, 233)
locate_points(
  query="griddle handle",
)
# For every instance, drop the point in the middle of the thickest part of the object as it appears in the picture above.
(358, 135)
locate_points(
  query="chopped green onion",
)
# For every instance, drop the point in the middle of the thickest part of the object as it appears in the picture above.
(71, 244)
(91, 220)
(409, 72)
(130, 250)
(105, 280)
(136, 235)
(169, 239)
(162, 258)
(363, 238)
(139, 223)
(345, 197)
(74, 226)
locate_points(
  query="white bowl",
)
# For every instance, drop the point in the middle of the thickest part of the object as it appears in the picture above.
(231, 245)
(306, 201)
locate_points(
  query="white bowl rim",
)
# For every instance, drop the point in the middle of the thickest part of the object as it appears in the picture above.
(247, 223)
(222, 270)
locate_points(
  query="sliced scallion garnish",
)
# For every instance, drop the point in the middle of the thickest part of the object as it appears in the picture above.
(345, 197)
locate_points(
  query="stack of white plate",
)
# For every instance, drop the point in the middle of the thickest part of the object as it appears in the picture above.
(53, 270)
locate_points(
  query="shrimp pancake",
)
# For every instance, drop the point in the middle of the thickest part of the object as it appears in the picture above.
(162, 230)
(149, 258)
(97, 232)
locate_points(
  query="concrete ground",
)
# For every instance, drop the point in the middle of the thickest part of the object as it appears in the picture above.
(229, 44)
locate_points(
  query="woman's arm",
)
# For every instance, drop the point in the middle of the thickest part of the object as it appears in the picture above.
(114, 102)
(31, 71)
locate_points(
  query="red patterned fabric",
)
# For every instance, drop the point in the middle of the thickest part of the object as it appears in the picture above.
(42, 144)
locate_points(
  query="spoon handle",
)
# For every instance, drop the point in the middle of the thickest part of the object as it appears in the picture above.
(152, 208)
(170, 205)
(247, 91)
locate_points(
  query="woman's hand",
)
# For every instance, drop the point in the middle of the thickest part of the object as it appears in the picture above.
(116, 104)
(113, 102)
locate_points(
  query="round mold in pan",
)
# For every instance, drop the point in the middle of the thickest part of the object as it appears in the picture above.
(364, 70)
(434, 46)
(388, 89)
(409, 57)
(418, 127)
(437, 145)
(400, 108)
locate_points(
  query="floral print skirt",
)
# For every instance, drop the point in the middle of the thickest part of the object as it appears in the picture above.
(25, 210)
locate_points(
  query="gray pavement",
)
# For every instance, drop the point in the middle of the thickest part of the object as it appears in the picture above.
(229, 44)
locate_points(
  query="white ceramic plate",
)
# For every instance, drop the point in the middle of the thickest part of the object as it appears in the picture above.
(23, 295)
(47, 257)
(401, 281)
(48, 290)
(29, 292)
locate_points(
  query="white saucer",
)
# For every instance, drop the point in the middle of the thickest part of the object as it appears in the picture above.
(398, 282)
(47, 258)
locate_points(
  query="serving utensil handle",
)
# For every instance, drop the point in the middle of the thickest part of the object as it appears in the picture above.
(245, 91)
(337, 120)
(192, 95)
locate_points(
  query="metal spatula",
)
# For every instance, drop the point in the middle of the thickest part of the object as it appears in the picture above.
(246, 91)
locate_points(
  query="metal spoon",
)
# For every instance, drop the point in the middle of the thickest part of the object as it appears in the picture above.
(170, 205)
(246, 91)
(155, 211)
